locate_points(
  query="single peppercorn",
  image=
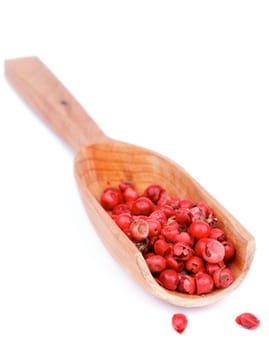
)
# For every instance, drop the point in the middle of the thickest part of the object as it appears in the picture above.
(179, 322)
(248, 320)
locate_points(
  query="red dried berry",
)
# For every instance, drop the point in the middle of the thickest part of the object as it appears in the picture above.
(158, 215)
(174, 264)
(223, 278)
(142, 206)
(199, 229)
(161, 247)
(110, 198)
(169, 279)
(170, 230)
(211, 268)
(179, 322)
(229, 250)
(200, 246)
(186, 284)
(164, 198)
(173, 201)
(186, 203)
(130, 194)
(182, 251)
(123, 185)
(204, 283)
(184, 237)
(217, 233)
(153, 192)
(154, 227)
(195, 264)
(139, 230)
(213, 251)
(248, 320)
(183, 216)
(121, 208)
(197, 214)
(203, 206)
(156, 263)
(168, 210)
(124, 221)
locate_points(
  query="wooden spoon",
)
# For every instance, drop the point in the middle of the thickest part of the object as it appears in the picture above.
(101, 160)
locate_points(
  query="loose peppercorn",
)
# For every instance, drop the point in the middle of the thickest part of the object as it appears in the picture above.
(179, 322)
(247, 320)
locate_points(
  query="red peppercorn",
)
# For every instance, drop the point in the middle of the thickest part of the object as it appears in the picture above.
(200, 246)
(156, 263)
(199, 229)
(110, 198)
(173, 201)
(153, 192)
(183, 216)
(197, 214)
(130, 194)
(179, 322)
(169, 279)
(123, 185)
(161, 247)
(124, 221)
(223, 278)
(164, 198)
(139, 230)
(142, 206)
(229, 250)
(170, 237)
(186, 284)
(203, 206)
(248, 320)
(174, 264)
(184, 237)
(168, 210)
(213, 251)
(154, 227)
(121, 208)
(211, 268)
(158, 215)
(195, 264)
(204, 283)
(170, 230)
(182, 251)
(186, 203)
(217, 233)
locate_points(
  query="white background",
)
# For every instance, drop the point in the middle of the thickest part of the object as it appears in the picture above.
(189, 79)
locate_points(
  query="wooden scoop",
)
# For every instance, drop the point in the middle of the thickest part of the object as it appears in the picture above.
(101, 160)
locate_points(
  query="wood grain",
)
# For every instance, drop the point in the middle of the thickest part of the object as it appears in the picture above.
(51, 100)
(101, 161)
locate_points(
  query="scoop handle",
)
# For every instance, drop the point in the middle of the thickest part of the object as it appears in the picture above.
(48, 97)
